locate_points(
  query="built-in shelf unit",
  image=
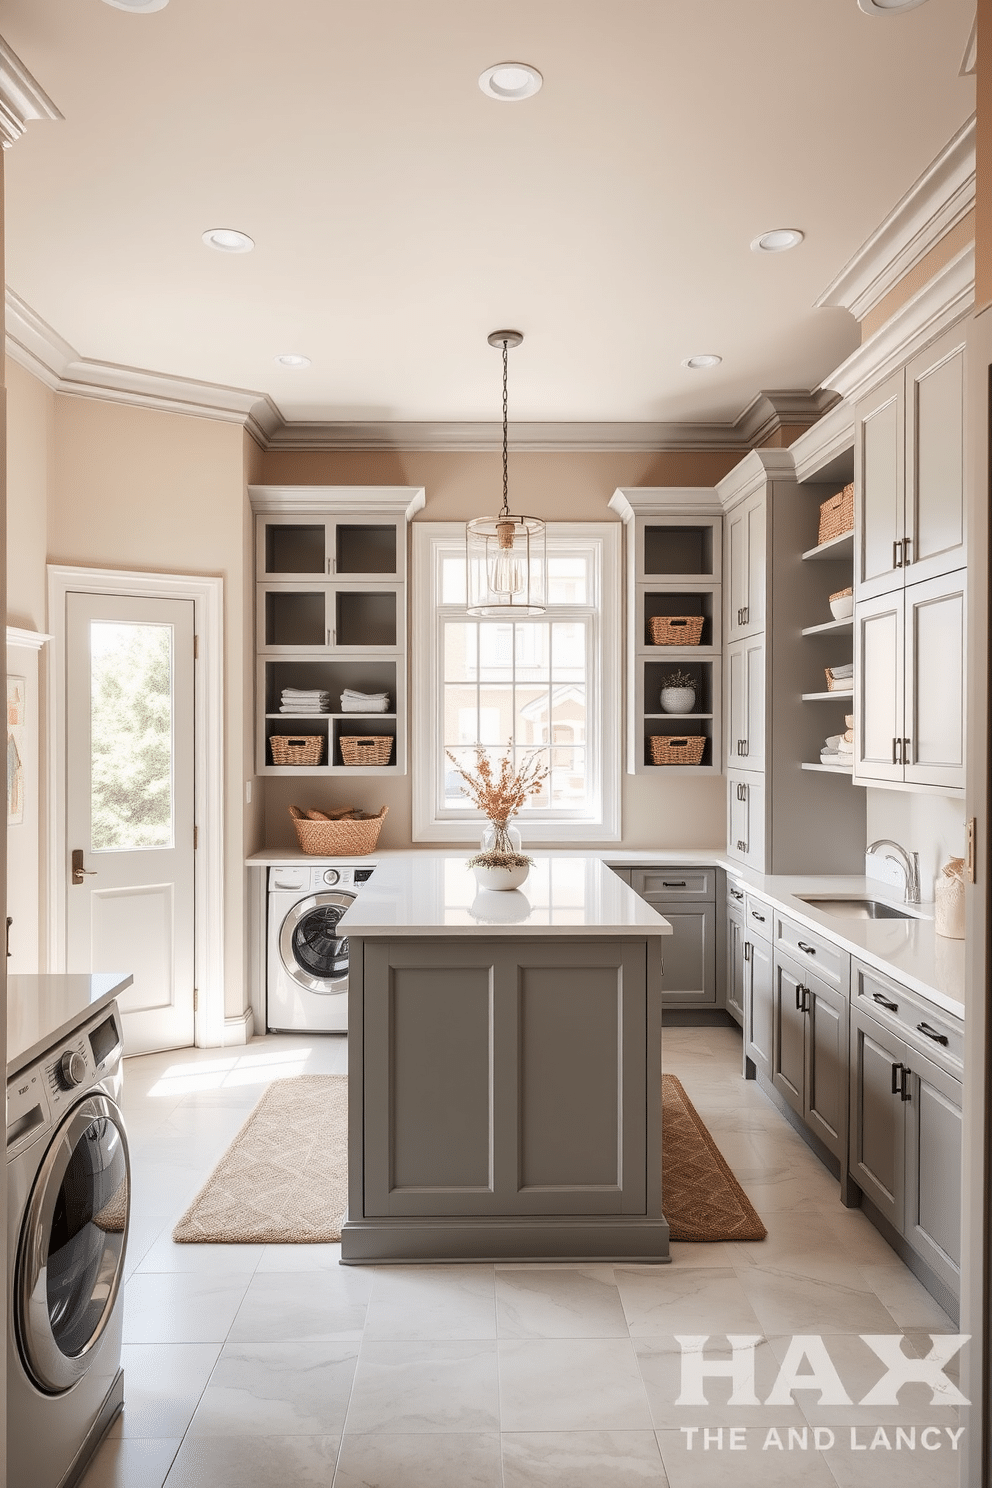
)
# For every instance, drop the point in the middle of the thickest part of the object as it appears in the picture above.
(330, 615)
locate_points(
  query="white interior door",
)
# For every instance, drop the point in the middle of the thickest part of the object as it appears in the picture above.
(130, 806)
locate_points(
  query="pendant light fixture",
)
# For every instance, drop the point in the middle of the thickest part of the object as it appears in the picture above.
(506, 555)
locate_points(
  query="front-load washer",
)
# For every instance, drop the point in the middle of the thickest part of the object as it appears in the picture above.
(307, 962)
(68, 1185)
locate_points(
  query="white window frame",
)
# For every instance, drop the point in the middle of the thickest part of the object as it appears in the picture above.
(604, 712)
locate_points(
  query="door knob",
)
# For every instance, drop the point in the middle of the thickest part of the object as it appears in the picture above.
(78, 871)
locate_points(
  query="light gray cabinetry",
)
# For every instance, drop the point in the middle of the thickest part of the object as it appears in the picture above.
(735, 963)
(809, 1050)
(745, 670)
(746, 546)
(758, 1004)
(686, 896)
(746, 819)
(909, 472)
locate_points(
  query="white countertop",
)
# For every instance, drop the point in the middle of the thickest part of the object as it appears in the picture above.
(41, 1010)
(436, 894)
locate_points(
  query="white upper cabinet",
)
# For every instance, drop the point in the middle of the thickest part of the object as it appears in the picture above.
(746, 542)
(745, 664)
(909, 472)
(879, 699)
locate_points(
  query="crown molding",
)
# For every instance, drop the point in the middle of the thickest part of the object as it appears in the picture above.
(30, 640)
(969, 62)
(936, 202)
(753, 472)
(830, 440)
(627, 501)
(384, 501)
(770, 410)
(22, 100)
(941, 302)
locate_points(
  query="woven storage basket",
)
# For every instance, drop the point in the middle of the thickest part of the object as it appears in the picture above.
(676, 630)
(297, 749)
(677, 749)
(366, 749)
(842, 593)
(837, 515)
(338, 839)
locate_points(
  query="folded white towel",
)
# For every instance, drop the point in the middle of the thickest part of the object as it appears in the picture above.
(842, 671)
(348, 705)
(302, 710)
(365, 697)
(833, 741)
(305, 692)
(846, 746)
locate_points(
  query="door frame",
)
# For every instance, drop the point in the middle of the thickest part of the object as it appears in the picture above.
(207, 596)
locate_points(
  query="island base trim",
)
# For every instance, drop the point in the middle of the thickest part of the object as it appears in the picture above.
(409, 1241)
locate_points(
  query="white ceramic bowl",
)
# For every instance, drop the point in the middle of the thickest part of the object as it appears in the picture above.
(500, 879)
(842, 609)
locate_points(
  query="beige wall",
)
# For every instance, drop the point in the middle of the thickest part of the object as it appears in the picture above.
(30, 461)
(983, 151)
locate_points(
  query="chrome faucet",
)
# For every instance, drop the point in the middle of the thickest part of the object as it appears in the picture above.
(908, 862)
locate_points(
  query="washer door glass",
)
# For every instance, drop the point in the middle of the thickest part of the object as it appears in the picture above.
(72, 1244)
(312, 952)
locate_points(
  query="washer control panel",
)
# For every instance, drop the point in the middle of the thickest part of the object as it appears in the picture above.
(67, 1068)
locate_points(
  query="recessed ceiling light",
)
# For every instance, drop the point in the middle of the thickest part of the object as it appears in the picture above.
(887, 7)
(228, 240)
(137, 5)
(510, 81)
(705, 359)
(779, 240)
(292, 359)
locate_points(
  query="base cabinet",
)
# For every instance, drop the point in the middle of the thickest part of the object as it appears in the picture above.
(809, 1051)
(758, 1012)
(686, 896)
(906, 1133)
(735, 964)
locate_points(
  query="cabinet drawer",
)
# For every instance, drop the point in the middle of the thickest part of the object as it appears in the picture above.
(939, 1035)
(758, 917)
(674, 883)
(809, 949)
(735, 894)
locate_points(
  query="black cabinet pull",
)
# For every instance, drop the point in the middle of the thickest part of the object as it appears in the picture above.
(904, 1079)
(737, 893)
(799, 998)
(810, 950)
(896, 1069)
(893, 1007)
(755, 916)
(807, 999)
(931, 1033)
(747, 950)
(666, 885)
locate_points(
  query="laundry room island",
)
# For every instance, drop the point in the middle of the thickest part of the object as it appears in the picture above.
(504, 1060)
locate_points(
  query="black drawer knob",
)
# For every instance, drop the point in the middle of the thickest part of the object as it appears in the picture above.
(931, 1033)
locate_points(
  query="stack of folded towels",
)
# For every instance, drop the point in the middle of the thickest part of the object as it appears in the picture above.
(364, 702)
(840, 678)
(839, 748)
(304, 700)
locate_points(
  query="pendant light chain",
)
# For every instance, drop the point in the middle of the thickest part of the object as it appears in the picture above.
(506, 501)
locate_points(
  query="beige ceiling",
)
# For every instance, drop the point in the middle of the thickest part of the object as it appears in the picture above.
(400, 215)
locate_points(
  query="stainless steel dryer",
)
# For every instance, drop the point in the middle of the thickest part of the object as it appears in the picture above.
(307, 962)
(68, 1205)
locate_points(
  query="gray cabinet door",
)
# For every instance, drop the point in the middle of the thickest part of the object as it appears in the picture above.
(746, 703)
(735, 964)
(878, 1150)
(746, 819)
(880, 477)
(689, 953)
(745, 528)
(827, 1078)
(934, 728)
(789, 1036)
(933, 1153)
(879, 669)
(935, 413)
(502, 1078)
(758, 1004)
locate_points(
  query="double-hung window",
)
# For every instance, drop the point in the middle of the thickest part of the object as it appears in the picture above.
(550, 683)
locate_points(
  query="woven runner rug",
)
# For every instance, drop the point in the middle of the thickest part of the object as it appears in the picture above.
(284, 1179)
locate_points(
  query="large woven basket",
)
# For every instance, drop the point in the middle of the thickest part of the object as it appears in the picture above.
(338, 839)
(837, 515)
(366, 749)
(297, 749)
(676, 630)
(677, 749)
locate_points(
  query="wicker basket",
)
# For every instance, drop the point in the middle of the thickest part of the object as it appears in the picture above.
(837, 515)
(366, 749)
(297, 749)
(676, 630)
(338, 839)
(842, 593)
(677, 749)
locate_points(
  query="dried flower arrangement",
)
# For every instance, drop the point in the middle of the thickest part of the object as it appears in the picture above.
(499, 797)
(678, 678)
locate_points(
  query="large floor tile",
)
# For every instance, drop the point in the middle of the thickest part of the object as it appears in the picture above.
(254, 1462)
(787, 1303)
(278, 1389)
(453, 1460)
(166, 1255)
(181, 1307)
(307, 1258)
(409, 1302)
(662, 1369)
(123, 1462)
(162, 1384)
(425, 1387)
(859, 1369)
(582, 1459)
(662, 1300)
(282, 1306)
(907, 1299)
(550, 1303)
(886, 1461)
(574, 1384)
(750, 1465)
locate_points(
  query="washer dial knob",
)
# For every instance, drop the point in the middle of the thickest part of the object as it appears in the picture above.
(332, 876)
(72, 1067)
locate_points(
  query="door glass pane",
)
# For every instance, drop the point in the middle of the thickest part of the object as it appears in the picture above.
(131, 736)
(86, 1243)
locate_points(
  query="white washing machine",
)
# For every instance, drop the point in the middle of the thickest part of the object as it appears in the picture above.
(307, 962)
(68, 1183)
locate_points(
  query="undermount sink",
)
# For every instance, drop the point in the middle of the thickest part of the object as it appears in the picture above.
(859, 909)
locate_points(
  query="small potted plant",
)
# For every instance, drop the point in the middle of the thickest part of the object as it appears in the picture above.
(678, 692)
(501, 864)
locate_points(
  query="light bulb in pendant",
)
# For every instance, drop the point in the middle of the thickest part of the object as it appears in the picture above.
(506, 575)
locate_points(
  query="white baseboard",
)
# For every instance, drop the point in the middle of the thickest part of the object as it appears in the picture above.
(239, 1030)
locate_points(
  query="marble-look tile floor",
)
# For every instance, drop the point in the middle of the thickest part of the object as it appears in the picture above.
(274, 1366)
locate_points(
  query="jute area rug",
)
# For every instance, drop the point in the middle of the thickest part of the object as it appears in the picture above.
(284, 1179)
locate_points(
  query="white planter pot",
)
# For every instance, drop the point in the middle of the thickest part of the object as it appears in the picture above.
(678, 699)
(500, 878)
(842, 609)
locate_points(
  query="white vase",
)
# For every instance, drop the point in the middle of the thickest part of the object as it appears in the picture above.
(500, 879)
(678, 699)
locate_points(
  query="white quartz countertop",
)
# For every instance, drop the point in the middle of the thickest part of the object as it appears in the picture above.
(42, 1010)
(436, 894)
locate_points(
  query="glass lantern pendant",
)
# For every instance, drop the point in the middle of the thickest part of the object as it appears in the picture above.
(506, 555)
